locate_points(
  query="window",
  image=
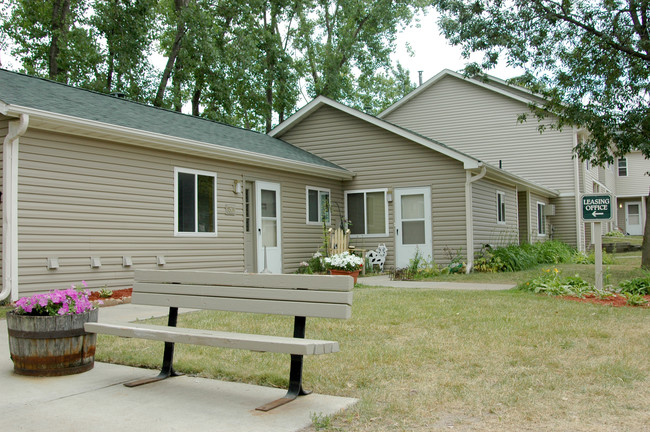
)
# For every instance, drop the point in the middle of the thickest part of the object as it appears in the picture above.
(195, 202)
(541, 218)
(318, 205)
(367, 212)
(501, 207)
(622, 167)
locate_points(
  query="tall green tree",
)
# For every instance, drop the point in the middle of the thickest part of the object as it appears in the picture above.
(590, 59)
(52, 39)
(342, 40)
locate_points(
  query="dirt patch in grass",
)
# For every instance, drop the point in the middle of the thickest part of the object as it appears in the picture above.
(616, 300)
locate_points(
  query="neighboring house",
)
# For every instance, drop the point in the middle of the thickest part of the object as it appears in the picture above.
(414, 193)
(94, 186)
(480, 118)
(632, 174)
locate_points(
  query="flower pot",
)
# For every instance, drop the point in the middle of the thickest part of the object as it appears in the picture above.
(354, 274)
(51, 345)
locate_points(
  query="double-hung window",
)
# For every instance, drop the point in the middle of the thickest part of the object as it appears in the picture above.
(501, 207)
(541, 219)
(622, 167)
(367, 212)
(195, 202)
(318, 205)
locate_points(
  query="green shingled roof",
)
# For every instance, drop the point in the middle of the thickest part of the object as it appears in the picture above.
(41, 94)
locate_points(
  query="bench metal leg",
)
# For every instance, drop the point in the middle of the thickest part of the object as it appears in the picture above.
(168, 357)
(295, 373)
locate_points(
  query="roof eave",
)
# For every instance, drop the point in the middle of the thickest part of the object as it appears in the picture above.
(91, 128)
(522, 183)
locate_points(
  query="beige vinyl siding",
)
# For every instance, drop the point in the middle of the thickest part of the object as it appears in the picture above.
(83, 198)
(380, 160)
(484, 207)
(483, 124)
(636, 183)
(534, 236)
(523, 200)
(564, 222)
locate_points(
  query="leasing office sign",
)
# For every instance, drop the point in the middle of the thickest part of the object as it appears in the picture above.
(596, 208)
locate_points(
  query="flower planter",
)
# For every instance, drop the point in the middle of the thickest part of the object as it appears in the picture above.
(354, 274)
(51, 345)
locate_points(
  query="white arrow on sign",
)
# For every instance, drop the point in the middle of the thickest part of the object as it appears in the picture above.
(597, 214)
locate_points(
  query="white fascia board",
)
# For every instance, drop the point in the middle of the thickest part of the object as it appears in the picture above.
(95, 129)
(468, 161)
(447, 72)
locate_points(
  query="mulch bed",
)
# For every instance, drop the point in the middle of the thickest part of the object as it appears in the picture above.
(616, 300)
(118, 296)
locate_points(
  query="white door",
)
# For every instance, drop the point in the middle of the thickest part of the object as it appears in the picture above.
(268, 227)
(633, 219)
(412, 224)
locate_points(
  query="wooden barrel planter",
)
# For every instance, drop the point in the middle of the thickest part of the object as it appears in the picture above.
(51, 345)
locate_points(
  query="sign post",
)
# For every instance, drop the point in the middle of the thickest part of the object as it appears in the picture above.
(597, 208)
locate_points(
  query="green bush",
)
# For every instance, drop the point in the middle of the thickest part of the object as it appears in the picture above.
(521, 257)
(583, 258)
(551, 282)
(636, 286)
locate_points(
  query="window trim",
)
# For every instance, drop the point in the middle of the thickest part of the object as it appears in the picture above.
(320, 212)
(618, 167)
(177, 233)
(539, 225)
(365, 192)
(501, 202)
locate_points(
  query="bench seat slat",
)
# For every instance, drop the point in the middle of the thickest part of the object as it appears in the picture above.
(285, 281)
(262, 343)
(306, 309)
(246, 292)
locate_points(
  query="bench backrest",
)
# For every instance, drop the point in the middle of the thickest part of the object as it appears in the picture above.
(281, 294)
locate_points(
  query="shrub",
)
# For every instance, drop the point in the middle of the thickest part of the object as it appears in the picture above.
(551, 282)
(636, 286)
(583, 258)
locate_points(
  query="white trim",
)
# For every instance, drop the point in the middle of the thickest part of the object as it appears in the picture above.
(503, 203)
(468, 161)
(365, 212)
(196, 173)
(580, 226)
(10, 152)
(469, 215)
(99, 130)
(320, 211)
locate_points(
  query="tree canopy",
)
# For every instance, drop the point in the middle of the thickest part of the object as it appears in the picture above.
(590, 59)
(244, 63)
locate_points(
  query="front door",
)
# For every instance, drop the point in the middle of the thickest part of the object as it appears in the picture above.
(268, 227)
(412, 224)
(633, 218)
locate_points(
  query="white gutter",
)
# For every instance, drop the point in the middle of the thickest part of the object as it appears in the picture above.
(10, 207)
(469, 214)
(576, 179)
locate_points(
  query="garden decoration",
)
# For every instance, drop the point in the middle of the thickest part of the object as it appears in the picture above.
(344, 264)
(377, 256)
(46, 333)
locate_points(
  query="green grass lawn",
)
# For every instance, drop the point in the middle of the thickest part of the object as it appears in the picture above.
(423, 360)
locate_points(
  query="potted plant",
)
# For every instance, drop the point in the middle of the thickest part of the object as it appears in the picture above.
(47, 336)
(344, 264)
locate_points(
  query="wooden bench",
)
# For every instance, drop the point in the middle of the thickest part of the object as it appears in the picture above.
(299, 296)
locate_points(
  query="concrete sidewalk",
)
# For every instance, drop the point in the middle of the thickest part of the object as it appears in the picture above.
(97, 401)
(385, 281)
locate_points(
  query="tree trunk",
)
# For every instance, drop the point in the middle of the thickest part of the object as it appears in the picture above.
(60, 11)
(645, 249)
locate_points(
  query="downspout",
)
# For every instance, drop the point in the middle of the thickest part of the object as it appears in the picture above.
(469, 214)
(10, 207)
(576, 180)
